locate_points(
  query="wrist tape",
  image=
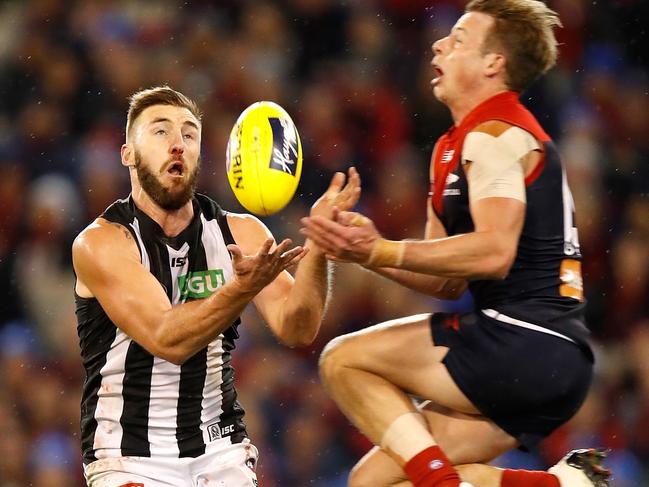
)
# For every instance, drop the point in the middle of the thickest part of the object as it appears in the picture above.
(387, 253)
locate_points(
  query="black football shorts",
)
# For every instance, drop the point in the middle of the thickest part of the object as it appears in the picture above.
(527, 382)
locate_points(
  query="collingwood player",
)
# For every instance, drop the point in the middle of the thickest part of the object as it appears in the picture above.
(162, 277)
(500, 222)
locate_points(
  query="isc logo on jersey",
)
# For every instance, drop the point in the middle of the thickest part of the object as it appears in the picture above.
(215, 431)
(264, 158)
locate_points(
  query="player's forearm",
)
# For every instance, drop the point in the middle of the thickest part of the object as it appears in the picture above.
(477, 255)
(435, 286)
(188, 328)
(305, 305)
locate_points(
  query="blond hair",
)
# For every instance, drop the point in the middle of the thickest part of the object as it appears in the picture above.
(160, 95)
(524, 31)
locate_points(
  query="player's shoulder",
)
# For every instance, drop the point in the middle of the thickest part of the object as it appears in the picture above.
(102, 237)
(501, 135)
(248, 231)
(247, 223)
(495, 128)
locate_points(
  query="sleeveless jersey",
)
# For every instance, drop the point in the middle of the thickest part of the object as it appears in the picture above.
(136, 404)
(544, 285)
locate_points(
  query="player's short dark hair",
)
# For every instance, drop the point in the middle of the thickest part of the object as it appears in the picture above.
(524, 32)
(159, 95)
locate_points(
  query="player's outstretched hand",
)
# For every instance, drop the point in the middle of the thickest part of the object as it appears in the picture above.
(349, 237)
(255, 272)
(337, 196)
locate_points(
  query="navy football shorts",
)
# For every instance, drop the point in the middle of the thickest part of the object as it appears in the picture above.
(527, 382)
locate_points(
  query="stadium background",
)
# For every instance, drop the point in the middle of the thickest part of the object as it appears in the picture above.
(355, 77)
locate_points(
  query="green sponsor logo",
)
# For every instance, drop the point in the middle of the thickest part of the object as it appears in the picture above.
(200, 284)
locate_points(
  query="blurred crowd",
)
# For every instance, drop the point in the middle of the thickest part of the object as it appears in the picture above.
(355, 77)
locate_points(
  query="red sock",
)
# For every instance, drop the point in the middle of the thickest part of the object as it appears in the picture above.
(431, 468)
(528, 478)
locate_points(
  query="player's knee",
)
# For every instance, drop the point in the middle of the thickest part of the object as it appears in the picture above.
(360, 476)
(332, 359)
(369, 474)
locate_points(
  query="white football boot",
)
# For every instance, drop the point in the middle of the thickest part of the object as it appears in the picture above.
(582, 468)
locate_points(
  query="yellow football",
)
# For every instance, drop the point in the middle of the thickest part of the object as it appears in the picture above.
(264, 158)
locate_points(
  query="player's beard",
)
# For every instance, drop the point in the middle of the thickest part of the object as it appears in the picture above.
(166, 198)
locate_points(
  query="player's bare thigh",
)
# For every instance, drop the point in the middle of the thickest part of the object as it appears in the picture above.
(402, 352)
(466, 439)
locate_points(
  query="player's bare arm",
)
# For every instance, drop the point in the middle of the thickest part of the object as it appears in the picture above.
(293, 307)
(107, 263)
(435, 286)
(486, 253)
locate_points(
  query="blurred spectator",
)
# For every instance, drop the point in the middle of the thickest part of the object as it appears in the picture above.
(356, 78)
(43, 267)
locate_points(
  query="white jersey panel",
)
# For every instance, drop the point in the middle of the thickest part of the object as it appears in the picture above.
(110, 402)
(218, 257)
(165, 377)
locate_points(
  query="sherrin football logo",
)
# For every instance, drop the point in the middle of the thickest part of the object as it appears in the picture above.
(264, 158)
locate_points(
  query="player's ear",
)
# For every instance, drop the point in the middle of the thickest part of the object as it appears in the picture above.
(494, 63)
(128, 155)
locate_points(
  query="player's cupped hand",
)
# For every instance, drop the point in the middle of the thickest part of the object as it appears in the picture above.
(348, 237)
(255, 272)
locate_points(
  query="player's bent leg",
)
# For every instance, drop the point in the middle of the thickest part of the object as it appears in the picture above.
(370, 373)
(454, 431)
(367, 373)
(377, 469)
(464, 439)
(480, 475)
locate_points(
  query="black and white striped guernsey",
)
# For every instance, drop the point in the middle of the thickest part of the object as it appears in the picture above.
(136, 404)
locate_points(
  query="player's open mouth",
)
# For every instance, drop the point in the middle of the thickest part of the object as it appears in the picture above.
(438, 73)
(176, 169)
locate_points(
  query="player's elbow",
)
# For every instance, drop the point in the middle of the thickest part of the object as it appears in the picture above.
(500, 264)
(297, 341)
(168, 349)
(300, 337)
(299, 329)
(173, 355)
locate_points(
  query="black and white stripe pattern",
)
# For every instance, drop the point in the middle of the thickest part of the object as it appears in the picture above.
(136, 404)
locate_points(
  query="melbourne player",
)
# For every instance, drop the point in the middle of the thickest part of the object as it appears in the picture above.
(162, 277)
(500, 222)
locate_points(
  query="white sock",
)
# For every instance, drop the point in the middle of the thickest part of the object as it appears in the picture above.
(407, 436)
